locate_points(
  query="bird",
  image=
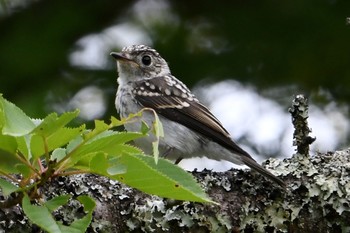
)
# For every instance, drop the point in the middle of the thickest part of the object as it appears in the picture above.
(190, 128)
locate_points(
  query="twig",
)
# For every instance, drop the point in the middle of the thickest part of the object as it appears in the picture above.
(300, 114)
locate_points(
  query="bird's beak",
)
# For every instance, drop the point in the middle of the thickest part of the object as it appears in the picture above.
(119, 56)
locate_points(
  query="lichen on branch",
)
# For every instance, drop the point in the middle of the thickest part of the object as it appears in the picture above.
(300, 113)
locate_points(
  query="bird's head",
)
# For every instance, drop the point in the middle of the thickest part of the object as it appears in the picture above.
(138, 62)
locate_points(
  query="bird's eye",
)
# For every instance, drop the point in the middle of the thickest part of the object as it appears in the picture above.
(146, 60)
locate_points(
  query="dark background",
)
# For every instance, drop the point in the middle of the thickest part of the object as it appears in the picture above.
(280, 49)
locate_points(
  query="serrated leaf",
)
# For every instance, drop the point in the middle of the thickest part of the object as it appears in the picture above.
(23, 144)
(88, 203)
(57, 139)
(78, 226)
(100, 135)
(158, 127)
(74, 143)
(24, 170)
(13, 120)
(100, 126)
(144, 128)
(155, 146)
(106, 164)
(158, 133)
(108, 144)
(80, 163)
(117, 169)
(99, 164)
(8, 143)
(96, 162)
(56, 202)
(163, 179)
(40, 215)
(115, 122)
(128, 149)
(52, 123)
(9, 162)
(7, 187)
(103, 163)
(58, 154)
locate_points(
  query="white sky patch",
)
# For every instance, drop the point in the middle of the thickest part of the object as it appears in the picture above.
(90, 100)
(329, 125)
(154, 12)
(93, 50)
(205, 163)
(245, 114)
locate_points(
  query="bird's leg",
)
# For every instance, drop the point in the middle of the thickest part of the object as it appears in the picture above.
(168, 151)
(178, 160)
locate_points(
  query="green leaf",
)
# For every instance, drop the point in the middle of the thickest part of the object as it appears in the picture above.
(58, 154)
(7, 187)
(40, 215)
(57, 139)
(88, 202)
(99, 164)
(9, 162)
(117, 169)
(155, 146)
(144, 128)
(52, 123)
(103, 163)
(74, 143)
(8, 143)
(24, 145)
(115, 122)
(24, 170)
(99, 135)
(100, 127)
(158, 132)
(69, 229)
(56, 202)
(96, 162)
(106, 164)
(108, 144)
(163, 179)
(128, 149)
(78, 226)
(13, 120)
(158, 127)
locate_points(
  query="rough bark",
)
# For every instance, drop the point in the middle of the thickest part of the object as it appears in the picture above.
(317, 197)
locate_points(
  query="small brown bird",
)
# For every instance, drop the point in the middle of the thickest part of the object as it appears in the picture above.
(190, 129)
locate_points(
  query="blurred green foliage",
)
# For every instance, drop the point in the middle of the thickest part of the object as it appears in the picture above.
(265, 43)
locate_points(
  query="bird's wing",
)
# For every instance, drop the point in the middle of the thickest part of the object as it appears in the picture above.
(172, 99)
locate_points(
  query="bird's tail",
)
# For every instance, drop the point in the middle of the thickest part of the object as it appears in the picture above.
(250, 162)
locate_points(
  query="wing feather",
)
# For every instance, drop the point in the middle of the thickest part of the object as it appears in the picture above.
(187, 110)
